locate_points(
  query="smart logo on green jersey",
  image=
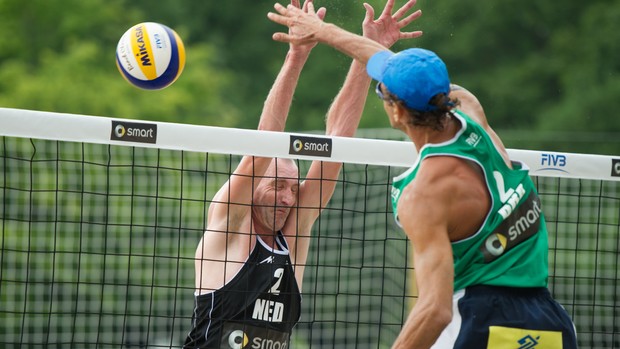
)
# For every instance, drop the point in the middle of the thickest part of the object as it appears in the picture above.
(521, 221)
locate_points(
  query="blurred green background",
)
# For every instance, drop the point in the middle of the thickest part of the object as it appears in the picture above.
(548, 73)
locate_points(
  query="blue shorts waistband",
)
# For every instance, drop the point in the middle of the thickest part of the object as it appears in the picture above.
(484, 290)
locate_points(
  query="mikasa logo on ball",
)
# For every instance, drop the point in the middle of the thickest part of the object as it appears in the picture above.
(133, 132)
(143, 51)
(150, 55)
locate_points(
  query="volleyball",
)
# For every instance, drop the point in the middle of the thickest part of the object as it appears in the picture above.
(150, 56)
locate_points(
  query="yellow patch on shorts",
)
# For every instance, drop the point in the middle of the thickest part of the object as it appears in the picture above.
(518, 338)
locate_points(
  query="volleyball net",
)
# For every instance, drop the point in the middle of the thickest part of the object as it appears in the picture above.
(100, 219)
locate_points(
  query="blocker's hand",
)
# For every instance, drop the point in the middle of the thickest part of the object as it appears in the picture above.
(303, 24)
(386, 29)
(320, 14)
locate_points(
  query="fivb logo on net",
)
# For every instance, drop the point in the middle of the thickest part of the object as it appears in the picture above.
(133, 132)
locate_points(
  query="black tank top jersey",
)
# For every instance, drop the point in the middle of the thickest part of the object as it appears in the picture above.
(258, 307)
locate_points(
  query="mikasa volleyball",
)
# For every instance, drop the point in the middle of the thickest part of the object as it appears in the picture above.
(150, 56)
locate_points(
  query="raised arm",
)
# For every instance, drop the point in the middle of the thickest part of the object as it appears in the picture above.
(470, 105)
(232, 202)
(343, 119)
(229, 223)
(424, 209)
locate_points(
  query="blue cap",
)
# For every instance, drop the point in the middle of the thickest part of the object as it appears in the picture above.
(414, 75)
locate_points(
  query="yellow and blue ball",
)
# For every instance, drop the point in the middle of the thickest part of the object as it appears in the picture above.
(150, 56)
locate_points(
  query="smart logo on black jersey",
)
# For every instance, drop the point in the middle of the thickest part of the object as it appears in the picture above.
(314, 146)
(237, 339)
(244, 336)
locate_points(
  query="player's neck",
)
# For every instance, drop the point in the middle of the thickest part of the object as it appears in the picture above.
(269, 238)
(426, 135)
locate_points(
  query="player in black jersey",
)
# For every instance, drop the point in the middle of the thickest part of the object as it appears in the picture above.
(250, 261)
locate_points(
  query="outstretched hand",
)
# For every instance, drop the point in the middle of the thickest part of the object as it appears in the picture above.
(386, 29)
(320, 14)
(303, 23)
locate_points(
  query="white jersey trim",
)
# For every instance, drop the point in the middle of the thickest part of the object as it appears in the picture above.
(284, 251)
(449, 141)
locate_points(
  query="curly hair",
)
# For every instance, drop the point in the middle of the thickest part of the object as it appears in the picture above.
(431, 119)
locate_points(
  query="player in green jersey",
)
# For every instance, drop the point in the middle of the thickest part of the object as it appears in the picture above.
(472, 214)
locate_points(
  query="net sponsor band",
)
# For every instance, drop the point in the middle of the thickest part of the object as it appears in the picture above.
(313, 146)
(615, 167)
(133, 132)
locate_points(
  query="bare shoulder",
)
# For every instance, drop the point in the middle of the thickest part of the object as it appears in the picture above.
(436, 169)
(442, 179)
(448, 193)
(425, 206)
(218, 259)
(436, 181)
(232, 202)
(469, 104)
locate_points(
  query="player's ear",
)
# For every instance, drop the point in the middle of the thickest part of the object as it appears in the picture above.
(399, 112)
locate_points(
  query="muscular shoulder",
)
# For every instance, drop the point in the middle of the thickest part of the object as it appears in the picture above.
(449, 175)
(424, 207)
(439, 170)
(449, 192)
(469, 104)
(435, 182)
(226, 237)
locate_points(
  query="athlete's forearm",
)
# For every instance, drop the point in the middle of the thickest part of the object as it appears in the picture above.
(422, 328)
(346, 111)
(278, 101)
(353, 45)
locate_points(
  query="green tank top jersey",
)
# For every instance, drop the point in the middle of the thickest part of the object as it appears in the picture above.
(510, 248)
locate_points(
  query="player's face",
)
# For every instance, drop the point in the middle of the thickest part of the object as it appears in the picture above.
(388, 103)
(276, 195)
